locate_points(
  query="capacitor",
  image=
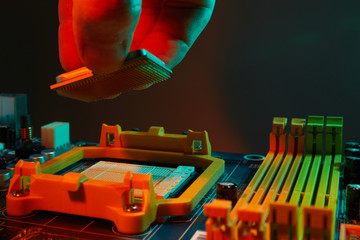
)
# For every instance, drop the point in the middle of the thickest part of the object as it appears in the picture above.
(352, 152)
(227, 191)
(352, 170)
(48, 153)
(352, 164)
(38, 157)
(4, 178)
(352, 145)
(353, 201)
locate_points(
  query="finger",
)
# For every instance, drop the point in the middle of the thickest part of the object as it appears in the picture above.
(69, 57)
(150, 12)
(103, 31)
(179, 24)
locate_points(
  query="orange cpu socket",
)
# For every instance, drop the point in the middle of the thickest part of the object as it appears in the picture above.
(36, 186)
(140, 68)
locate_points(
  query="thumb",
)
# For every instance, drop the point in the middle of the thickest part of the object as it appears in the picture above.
(103, 31)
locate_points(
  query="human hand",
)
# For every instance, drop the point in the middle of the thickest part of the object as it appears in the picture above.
(100, 33)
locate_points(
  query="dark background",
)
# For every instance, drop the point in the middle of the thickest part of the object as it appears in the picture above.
(255, 60)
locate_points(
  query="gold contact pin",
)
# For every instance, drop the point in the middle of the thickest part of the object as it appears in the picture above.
(140, 69)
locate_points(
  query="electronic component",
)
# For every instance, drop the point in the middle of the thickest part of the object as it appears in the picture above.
(140, 68)
(173, 181)
(353, 201)
(4, 178)
(38, 157)
(292, 192)
(7, 160)
(28, 148)
(26, 128)
(4, 135)
(349, 232)
(34, 187)
(352, 145)
(48, 153)
(227, 191)
(219, 223)
(166, 179)
(352, 166)
(7, 136)
(55, 135)
(352, 152)
(12, 107)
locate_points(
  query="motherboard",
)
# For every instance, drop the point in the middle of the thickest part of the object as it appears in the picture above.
(136, 184)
